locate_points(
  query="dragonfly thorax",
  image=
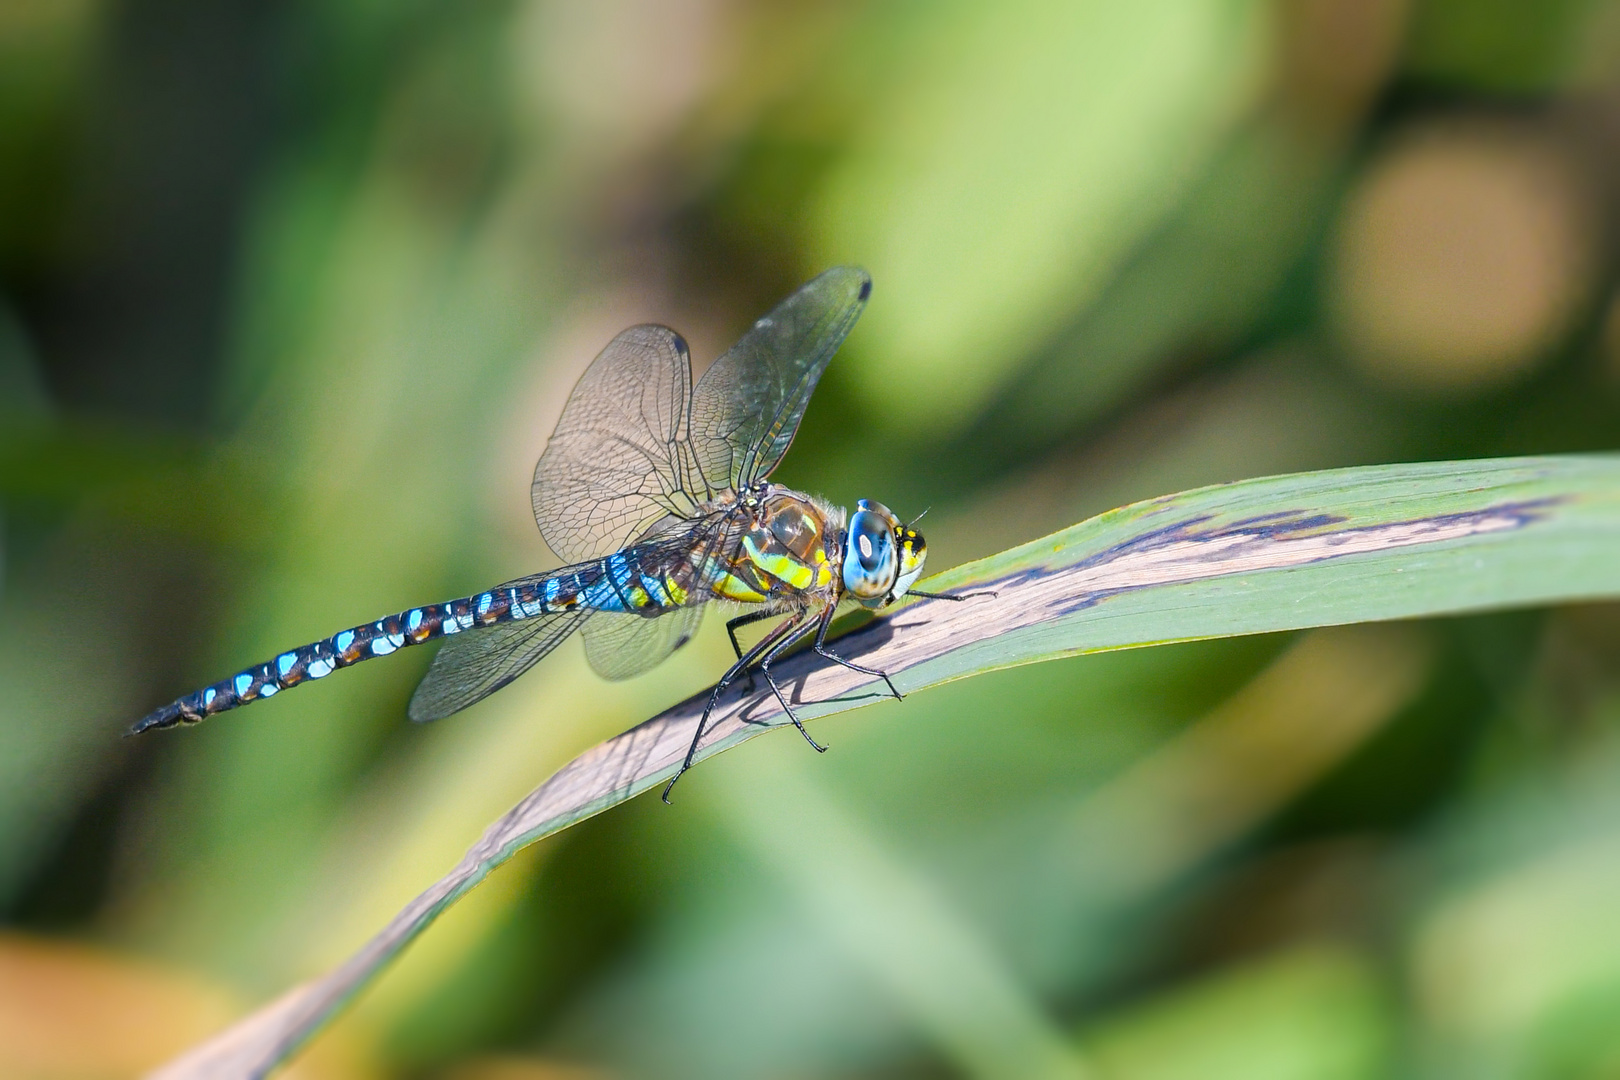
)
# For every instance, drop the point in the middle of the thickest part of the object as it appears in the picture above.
(881, 557)
(789, 547)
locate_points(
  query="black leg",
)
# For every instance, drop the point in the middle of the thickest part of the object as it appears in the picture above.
(946, 596)
(765, 669)
(760, 648)
(822, 650)
(744, 620)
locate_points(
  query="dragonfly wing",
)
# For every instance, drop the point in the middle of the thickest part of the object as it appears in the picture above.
(747, 406)
(476, 663)
(622, 646)
(620, 456)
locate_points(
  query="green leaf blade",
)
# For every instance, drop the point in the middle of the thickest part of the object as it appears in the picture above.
(1278, 553)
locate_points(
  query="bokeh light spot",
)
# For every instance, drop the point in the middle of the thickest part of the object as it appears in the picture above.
(1461, 254)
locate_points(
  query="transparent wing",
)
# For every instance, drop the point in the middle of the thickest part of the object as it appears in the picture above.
(622, 646)
(475, 663)
(620, 456)
(747, 406)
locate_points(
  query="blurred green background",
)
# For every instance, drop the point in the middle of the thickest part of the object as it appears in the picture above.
(291, 296)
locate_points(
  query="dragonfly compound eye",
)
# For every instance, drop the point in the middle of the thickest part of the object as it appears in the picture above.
(870, 559)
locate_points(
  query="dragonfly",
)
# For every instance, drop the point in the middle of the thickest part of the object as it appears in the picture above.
(656, 493)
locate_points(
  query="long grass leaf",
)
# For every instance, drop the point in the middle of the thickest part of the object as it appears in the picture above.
(1279, 553)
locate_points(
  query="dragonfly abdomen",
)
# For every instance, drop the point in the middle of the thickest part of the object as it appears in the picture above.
(319, 659)
(618, 583)
(634, 581)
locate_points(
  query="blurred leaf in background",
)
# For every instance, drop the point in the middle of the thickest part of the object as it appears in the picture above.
(290, 297)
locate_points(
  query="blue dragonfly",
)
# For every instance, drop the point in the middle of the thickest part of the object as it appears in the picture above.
(657, 493)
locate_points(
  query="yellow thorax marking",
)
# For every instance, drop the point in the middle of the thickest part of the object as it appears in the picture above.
(732, 587)
(784, 567)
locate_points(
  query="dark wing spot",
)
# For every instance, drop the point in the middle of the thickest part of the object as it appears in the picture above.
(866, 288)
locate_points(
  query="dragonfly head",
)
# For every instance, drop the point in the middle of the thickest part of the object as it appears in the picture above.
(882, 557)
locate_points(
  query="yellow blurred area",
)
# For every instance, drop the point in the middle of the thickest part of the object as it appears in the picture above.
(515, 1068)
(71, 1011)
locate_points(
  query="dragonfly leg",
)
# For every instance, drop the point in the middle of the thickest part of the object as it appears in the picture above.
(947, 596)
(761, 647)
(800, 630)
(731, 632)
(822, 650)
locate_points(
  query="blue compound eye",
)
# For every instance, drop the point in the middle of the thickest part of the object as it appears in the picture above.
(872, 545)
(870, 560)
